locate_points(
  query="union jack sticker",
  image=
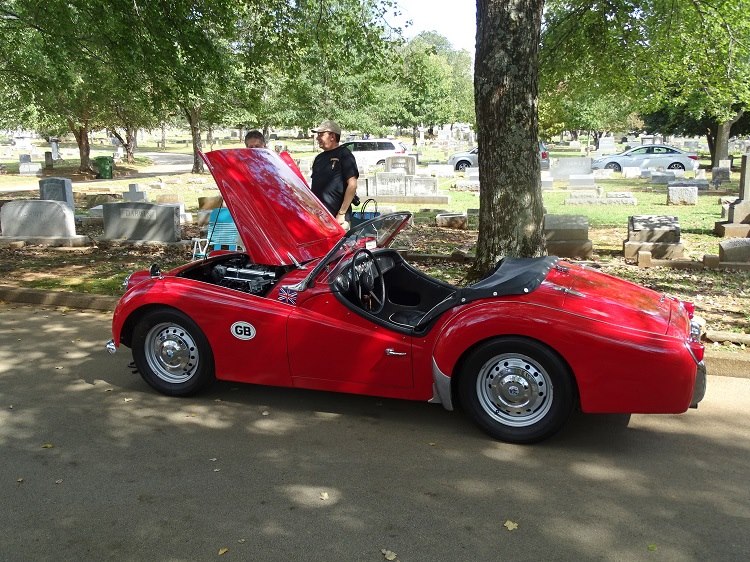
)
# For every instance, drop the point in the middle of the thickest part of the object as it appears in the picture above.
(288, 295)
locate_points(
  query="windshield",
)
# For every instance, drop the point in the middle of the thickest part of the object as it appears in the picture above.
(376, 233)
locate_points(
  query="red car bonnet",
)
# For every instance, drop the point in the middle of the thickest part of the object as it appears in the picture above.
(278, 218)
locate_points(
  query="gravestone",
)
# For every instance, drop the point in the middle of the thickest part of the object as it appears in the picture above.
(682, 194)
(547, 181)
(579, 181)
(603, 174)
(567, 236)
(452, 220)
(734, 250)
(607, 145)
(406, 163)
(24, 158)
(48, 161)
(737, 224)
(662, 178)
(630, 172)
(134, 194)
(467, 185)
(421, 185)
(472, 173)
(562, 168)
(141, 222)
(57, 189)
(657, 234)
(41, 222)
(30, 169)
(390, 183)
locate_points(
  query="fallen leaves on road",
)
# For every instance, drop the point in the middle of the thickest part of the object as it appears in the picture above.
(388, 554)
(324, 495)
(223, 551)
(47, 446)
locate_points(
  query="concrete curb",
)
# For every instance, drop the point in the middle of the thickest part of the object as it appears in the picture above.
(728, 364)
(57, 298)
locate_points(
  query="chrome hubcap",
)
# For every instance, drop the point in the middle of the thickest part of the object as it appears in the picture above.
(171, 353)
(514, 390)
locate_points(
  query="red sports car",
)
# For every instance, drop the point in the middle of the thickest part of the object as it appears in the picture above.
(309, 305)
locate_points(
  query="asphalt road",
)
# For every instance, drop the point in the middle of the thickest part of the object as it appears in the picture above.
(94, 465)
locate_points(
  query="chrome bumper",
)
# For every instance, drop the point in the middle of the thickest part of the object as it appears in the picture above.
(699, 391)
(111, 347)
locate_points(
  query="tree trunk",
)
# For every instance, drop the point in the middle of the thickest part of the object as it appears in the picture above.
(130, 144)
(505, 92)
(81, 133)
(723, 132)
(193, 115)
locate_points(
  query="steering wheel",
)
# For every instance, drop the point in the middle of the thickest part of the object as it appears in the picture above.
(369, 287)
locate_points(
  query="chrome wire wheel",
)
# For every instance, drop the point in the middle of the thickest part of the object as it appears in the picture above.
(171, 353)
(514, 390)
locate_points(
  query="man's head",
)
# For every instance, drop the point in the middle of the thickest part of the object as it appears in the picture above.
(255, 139)
(328, 134)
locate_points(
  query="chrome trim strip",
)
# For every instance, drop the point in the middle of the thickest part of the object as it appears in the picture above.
(111, 347)
(441, 388)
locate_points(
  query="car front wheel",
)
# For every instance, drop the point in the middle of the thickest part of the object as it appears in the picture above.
(613, 166)
(676, 166)
(172, 353)
(516, 390)
(462, 165)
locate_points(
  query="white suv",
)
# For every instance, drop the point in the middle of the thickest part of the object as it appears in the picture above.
(371, 153)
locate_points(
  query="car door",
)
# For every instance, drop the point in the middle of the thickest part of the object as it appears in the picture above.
(637, 157)
(333, 348)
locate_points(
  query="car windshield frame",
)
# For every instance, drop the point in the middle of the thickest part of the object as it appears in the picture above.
(373, 234)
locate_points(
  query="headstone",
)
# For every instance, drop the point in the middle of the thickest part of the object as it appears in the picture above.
(607, 145)
(57, 189)
(363, 186)
(547, 181)
(208, 203)
(48, 161)
(40, 222)
(141, 221)
(30, 169)
(659, 235)
(578, 181)
(562, 168)
(169, 198)
(452, 220)
(646, 174)
(134, 194)
(421, 185)
(735, 250)
(662, 178)
(720, 175)
(407, 163)
(682, 194)
(390, 183)
(700, 174)
(738, 212)
(603, 174)
(631, 172)
(568, 236)
(467, 185)
(24, 158)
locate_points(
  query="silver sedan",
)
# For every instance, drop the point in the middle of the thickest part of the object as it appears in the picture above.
(648, 156)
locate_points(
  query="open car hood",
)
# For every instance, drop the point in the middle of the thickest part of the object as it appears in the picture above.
(278, 218)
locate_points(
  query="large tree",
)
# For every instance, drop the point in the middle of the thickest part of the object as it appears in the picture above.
(505, 78)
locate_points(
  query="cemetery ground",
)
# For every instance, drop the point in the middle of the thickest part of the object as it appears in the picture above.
(722, 297)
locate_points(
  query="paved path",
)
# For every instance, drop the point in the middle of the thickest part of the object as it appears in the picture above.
(94, 465)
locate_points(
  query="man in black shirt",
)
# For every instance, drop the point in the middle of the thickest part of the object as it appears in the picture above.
(334, 173)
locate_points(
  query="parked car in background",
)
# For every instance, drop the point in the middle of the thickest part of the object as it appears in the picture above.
(470, 159)
(371, 153)
(648, 156)
(309, 305)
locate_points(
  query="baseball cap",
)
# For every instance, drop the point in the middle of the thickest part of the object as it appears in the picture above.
(328, 126)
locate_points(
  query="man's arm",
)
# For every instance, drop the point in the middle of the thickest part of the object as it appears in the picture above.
(351, 191)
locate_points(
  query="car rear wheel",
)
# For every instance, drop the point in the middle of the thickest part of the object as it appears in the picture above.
(613, 166)
(676, 166)
(462, 165)
(172, 353)
(517, 390)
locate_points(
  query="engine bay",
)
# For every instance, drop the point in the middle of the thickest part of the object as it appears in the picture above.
(237, 272)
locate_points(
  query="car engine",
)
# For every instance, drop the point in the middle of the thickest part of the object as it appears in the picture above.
(238, 273)
(253, 279)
